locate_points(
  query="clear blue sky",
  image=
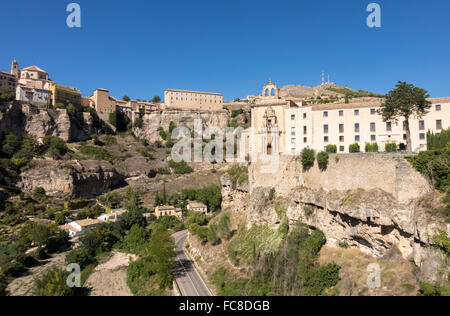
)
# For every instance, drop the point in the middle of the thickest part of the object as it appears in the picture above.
(141, 47)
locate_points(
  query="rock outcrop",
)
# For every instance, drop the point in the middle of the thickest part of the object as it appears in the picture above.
(152, 122)
(391, 207)
(17, 118)
(71, 178)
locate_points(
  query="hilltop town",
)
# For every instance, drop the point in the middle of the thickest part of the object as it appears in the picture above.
(92, 180)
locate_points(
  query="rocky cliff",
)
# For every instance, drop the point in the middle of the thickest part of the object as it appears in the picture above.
(390, 206)
(152, 122)
(70, 178)
(17, 118)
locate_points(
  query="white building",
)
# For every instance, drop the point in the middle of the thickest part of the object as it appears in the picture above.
(34, 96)
(113, 216)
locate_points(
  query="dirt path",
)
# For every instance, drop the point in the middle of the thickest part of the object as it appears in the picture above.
(23, 286)
(110, 278)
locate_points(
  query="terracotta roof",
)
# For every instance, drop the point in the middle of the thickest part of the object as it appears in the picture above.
(69, 227)
(165, 208)
(34, 68)
(440, 100)
(196, 205)
(88, 222)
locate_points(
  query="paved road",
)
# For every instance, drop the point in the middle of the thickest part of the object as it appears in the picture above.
(188, 279)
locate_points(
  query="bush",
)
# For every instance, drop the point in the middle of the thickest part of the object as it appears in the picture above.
(307, 158)
(331, 149)
(55, 146)
(163, 171)
(109, 140)
(372, 148)
(96, 153)
(438, 141)
(180, 167)
(322, 160)
(238, 175)
(53, 283)
(355, 148)
(390, 148)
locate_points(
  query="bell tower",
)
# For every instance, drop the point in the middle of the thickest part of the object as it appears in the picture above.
(15, 68)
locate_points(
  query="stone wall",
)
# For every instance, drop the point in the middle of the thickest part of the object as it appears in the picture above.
(387, 172)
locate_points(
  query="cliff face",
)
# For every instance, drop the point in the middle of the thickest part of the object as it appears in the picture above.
(18, 118)
(78, 178)
(389, 207)
(152, 122)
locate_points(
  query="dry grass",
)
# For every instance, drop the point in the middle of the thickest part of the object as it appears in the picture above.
(397, 274)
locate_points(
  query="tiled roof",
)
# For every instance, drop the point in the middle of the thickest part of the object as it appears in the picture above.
(440, 100)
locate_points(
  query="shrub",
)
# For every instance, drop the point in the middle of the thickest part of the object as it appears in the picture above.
(109, 140)
(438, 141)
(390, 147)
(355, 148)
(372, 148)
(331, 149)
(96, 153)
(180, 167)
(55, 146)
(307, 158)
(163, 171)
(53, 283)
(322, 160)
(238, 175)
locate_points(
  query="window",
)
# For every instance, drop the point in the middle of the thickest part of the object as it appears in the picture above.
(422, 125)
(325, 129)
(356, 112)
(404, 136)
(305, 140)
(293, 150)
(305, 130)
(341, 128)
(304, 116)
(325, 139)
(357, 128)
(422, 136)
(325, 114)
(292, 117)
(439, 124)
(341, 139)
(293, 131)
(404, 125)
(373, 138)
(293, 141)
(341, 113)
(373, 111)
(389, 126)
(357, 138)
(341, 148)
(373, 127)
(438, 107)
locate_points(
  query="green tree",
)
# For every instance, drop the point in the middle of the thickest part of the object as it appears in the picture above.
(161, 249)
(307, 158)
(126, 98)
(405, 101)
(71, 109)
(156, 99)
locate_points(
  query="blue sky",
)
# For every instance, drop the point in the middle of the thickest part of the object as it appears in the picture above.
(141, 47)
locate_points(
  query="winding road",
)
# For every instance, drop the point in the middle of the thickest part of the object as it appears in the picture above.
(188, 279)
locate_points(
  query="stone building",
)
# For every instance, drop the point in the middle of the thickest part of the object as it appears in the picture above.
(193, 100)
(287, 126)
(8, 81)
(168, 211)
